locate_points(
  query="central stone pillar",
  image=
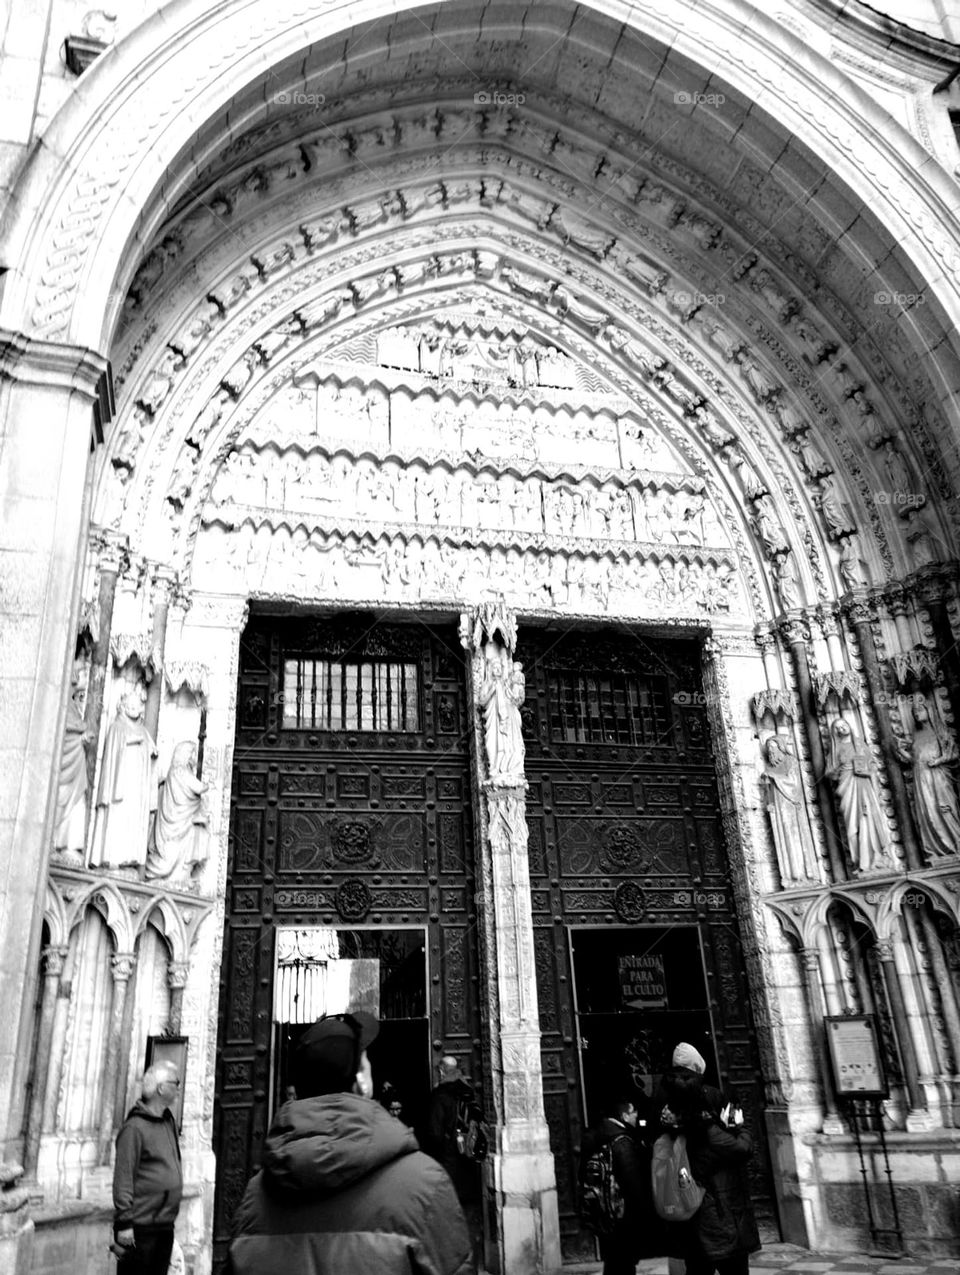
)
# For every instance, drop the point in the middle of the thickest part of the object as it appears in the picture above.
(520, 1174)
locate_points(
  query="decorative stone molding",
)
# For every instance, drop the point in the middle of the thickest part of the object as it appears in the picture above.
(191, 675)
(839, 682)
(916, 667)
(776, 702)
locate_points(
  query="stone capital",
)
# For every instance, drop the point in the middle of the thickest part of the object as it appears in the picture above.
(122, 965)
(73, 368)
(177, 972)
(54, 959)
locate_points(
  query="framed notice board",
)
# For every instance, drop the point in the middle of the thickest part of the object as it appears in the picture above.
(855, 1056)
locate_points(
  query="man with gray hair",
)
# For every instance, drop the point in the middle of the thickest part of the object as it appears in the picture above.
(147, 1177)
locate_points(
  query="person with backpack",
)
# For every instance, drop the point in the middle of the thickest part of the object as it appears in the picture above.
(455, 1135)
(615, 1195)
(708, 1149)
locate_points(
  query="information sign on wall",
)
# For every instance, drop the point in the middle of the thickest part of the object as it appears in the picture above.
(642, 981)
(855, 1054)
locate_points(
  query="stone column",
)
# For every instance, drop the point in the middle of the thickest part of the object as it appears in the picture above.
(797, 636)
(521, 1171)
(53, 963)
(861, 617)
(918, 1118)
(164, 582)
(53, 402)
(813, 981)
(111, 554)
(121, 967)
(176, 981)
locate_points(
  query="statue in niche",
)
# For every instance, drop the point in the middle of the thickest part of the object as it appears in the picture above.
(180, 838)
(70, 828)
(783, 801)
(933, 757)
(836, 513)
(854, 775)
(127, 794)
(500, 697)
(852, 573)
(785, 578)
(767, 528)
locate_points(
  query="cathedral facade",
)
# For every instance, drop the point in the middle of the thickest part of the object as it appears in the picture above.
(480, 541)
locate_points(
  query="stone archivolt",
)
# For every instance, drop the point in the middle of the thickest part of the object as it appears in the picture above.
(658, 373)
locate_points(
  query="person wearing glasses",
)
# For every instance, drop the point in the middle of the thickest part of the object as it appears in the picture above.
(147, 1177)
(344, 1188)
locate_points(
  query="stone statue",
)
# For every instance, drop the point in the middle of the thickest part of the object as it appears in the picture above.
(783, 802)
(851, 564)
(500, 696)
(180, 839)
(69, 834)
(854, 774)
(785, 578)
(128, 787)
(933, 757)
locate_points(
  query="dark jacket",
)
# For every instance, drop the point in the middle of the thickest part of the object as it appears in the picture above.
(344, 1188)
(725, 1222)
(147, 1178)
(443, 1118)
(640, 1233)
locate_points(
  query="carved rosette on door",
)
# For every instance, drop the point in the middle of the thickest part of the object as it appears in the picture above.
(350, 816)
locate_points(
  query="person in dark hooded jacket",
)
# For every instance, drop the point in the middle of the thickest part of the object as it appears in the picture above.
(723, 1232)
(343, 1186)
(452, 1102)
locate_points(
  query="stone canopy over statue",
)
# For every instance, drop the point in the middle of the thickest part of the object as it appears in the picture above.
(127, 794)
(181, 835)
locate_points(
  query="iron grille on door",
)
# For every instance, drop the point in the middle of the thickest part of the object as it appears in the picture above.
(607, 708)
(376, 695)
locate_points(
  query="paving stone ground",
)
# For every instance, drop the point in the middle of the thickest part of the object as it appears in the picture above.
(788, 1257)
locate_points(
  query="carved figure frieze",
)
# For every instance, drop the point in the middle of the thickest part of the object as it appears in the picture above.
(268, 562)
(323, 489)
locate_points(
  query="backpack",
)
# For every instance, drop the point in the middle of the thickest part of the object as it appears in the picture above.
(601, 1201)
(676, 1197)
(473, 1141)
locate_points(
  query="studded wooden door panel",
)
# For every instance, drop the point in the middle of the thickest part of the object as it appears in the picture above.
(350, 807)
(625, 836)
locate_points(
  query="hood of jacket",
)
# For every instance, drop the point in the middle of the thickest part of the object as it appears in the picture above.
(611, 1128)
(318, 1146)
(144, 1113)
